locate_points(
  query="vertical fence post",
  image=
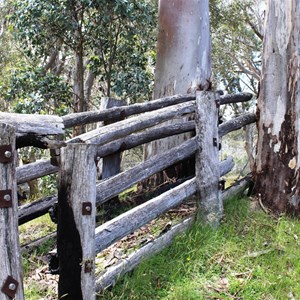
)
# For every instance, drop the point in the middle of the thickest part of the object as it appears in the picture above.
(10, 259)
(76, 222)
(111, 165)
(210, 205)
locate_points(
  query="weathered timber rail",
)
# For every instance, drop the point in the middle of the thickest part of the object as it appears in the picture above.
(78, 239)
(32, 171)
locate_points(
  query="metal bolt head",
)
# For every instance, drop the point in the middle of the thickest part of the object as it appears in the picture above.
(86, 208)
(7, 197)
(7, 154)
(12, 286)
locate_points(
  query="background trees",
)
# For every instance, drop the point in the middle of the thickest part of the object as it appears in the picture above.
(86, 48)
(237, 33)
(113, 43)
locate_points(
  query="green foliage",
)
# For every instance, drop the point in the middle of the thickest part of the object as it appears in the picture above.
(123, 37)
(48, 185)
(250, 256)
(41, 25)
(114, 36)
(31, 90)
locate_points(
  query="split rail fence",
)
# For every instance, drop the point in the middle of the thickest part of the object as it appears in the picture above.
(78, 238)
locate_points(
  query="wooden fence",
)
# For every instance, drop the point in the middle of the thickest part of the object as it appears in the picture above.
(79, 194)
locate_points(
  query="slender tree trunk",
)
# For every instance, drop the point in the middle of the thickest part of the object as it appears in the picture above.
(88, 85)
(277, 163)
(78, 83)
(80, 104)
(183, 62)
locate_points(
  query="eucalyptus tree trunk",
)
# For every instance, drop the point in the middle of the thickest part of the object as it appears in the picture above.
(183, 62)
(277, 162)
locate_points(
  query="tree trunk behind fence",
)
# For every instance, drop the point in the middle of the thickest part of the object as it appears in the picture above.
(183, 64)
(278, 148)
(76, 223)
(11, 283)
(210, 208)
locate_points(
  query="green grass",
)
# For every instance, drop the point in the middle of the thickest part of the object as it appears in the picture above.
(36, 228)
(250, 256)
(36, 260)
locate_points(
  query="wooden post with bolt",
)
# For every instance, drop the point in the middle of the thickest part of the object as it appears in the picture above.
(210, 208)
(11, 282)
(76, 222)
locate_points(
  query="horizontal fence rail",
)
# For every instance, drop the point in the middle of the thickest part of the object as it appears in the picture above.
(128, 222)
(43, 167)
(123, 111)
(44, 131)
(106, 134)
(35, 170)
(75, 119)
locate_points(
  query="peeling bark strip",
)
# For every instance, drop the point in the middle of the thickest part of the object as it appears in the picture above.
(76, 224)
(277, 163)
(10, 262)
(207, 172)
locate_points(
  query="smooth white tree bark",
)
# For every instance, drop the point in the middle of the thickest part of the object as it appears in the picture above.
(183, 57)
